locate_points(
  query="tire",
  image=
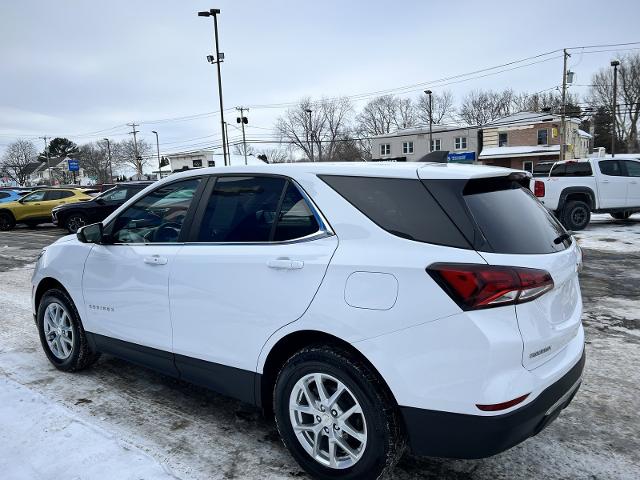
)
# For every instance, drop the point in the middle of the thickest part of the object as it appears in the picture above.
(381, 440)
(68, 355)
(576, 215)
(7, 222)
(621, 215)
(74, 221)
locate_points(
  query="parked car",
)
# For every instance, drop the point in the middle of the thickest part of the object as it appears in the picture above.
(75, 215)
(365, 306)
(9, 196)
(35, 207)
(575, 188)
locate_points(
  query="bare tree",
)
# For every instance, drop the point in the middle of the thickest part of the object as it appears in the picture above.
(94, 161)
(238, 149)
(546, 101)
(316, 133)
(273, 155)
(17, 159)
(482, 106)
(124, 153)
(628, 98)
(443, 107)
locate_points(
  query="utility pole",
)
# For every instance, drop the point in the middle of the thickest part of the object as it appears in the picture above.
(219, 58)
(135, 147)
(110, 164)
(46, 152)
(309, 111)
(614, 64)
(243, 120)
(158, 150)
(429, 92)
(563, 131)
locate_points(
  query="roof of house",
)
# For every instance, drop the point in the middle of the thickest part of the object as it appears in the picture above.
(526, 118)
(424, 130)
(584, 134)
(519, 151)
(31, 167)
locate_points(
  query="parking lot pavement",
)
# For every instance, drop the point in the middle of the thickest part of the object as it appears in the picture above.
(195, 434)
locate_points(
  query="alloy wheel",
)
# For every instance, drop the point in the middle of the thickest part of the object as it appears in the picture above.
(75, 222)
(58, 331)
(328, 420)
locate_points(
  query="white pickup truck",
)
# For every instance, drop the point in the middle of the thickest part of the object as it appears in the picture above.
(572, 189)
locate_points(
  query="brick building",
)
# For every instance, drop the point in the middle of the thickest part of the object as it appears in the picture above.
(522, 140)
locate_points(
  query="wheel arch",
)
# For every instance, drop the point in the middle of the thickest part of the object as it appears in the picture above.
(46, 284)
(293, 342)
(584, 194)
(6, 210)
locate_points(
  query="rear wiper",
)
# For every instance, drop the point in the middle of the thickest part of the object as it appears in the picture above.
(565, 236)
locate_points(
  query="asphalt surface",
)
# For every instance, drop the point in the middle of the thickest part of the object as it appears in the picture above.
(196, 434)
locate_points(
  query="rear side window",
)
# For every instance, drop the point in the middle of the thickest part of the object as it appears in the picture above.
(57, 194)
(402, 207)
(572, 169)
(511, 219)
(542, 169)
(633, 168)
(611, 168)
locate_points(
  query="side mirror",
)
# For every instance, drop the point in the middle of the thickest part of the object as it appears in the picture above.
(91, 233)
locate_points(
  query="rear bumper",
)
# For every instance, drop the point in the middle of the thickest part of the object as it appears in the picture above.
(455, 435)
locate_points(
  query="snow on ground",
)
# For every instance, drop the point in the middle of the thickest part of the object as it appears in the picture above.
(42, 440)
(608, 234)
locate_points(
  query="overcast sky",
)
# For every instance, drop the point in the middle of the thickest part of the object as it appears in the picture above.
(72, 67)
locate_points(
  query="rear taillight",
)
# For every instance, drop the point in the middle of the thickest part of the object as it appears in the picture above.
(474, 286)
(538, 188)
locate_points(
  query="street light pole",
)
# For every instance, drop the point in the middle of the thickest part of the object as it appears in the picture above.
(110, 164)
(309, 111)
(214, 12)
(158, 150)
(614, 64)
(429, 92)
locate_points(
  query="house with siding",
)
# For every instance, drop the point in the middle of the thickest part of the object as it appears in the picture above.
(524, 139)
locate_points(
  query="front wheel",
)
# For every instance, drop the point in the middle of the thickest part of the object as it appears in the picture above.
(75, 221)
(621, 215)
(61, 333)
(335, 416)
(576, 215)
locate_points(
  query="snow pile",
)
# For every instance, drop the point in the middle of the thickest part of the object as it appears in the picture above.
(41, 440)
(608, 234)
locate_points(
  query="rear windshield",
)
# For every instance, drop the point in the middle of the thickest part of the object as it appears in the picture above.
(403, 207)
(542, 169)
(511, 219)
(572, 169)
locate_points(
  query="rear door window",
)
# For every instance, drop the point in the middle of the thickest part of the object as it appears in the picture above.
(402, 207)
(295, 219)
(611, 168)
(633, 168)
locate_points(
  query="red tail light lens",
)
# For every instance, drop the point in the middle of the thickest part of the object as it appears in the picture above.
(474, 286)
(538, 188)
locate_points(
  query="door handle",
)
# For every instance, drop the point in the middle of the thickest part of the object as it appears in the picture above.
(285, 264)
(633, 183)
(155, 260)
(605, 181)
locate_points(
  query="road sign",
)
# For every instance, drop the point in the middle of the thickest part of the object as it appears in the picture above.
(461, 157)
(74, 165)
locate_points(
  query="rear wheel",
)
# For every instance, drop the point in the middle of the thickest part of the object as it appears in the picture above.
(61, 333)
(7, 222)
(621, 215)
(335, 416)
(75, 221)
(576, 215)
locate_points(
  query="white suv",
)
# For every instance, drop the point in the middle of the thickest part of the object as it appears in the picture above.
(366, 306)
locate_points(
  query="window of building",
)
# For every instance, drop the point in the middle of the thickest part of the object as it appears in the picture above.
(211, 163)
(527, 165)
(435, 144)
(502, 139)
(461, 143)
(543, 136)
(407, 148)
(197, 163)
(385, 149)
